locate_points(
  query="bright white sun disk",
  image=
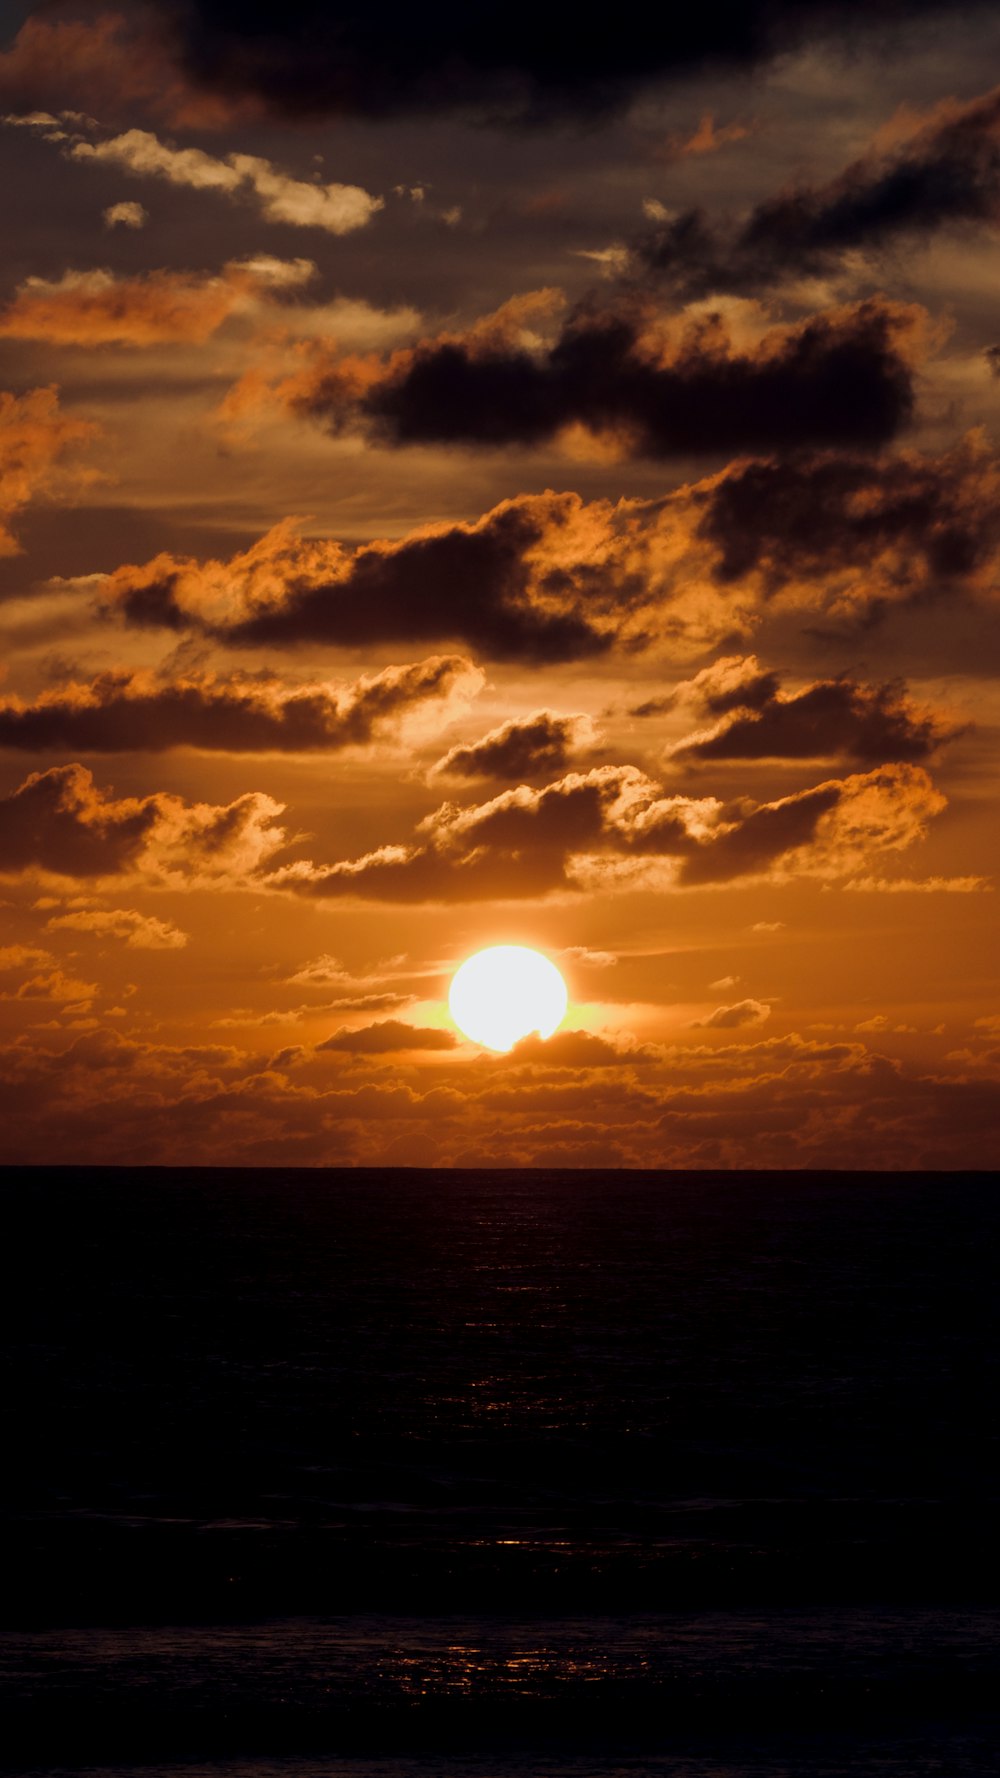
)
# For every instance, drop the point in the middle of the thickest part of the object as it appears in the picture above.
(505, 993)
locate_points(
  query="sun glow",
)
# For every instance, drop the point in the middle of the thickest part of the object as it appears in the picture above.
(505, 993)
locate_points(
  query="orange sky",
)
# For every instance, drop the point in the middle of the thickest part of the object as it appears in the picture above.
(454, 494)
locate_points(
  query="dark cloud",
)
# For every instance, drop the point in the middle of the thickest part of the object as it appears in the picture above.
(61, 821)
(544, 578)
(389, 1035)
(830, 719)
(843, 377)
(905, 519)
(942, 173)
(735, 684)
(761, 836)
(515, 64)
(526, 747)
(123, 711)
(473, 583)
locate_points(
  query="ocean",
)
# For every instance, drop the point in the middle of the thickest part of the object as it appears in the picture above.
(379, 1474)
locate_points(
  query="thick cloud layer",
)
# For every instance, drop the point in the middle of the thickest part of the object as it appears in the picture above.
(516, 63)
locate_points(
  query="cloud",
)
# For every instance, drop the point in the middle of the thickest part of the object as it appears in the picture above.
(127, 711)
(61, 822)
(323, 972)
(525, 747)
(728, 1018)
(579, 1049)
(336, 209)
(613, 827)
(389, 1035)
(843, 377)
(550, 577)
(924, 174)
(869, 532)
(827, 831)
(367, 1003)
(125, 215)
(56, 986)
(115, 63)
(734, 682)
(777, 1102)
(23, 957)
(581, 954)
(516, 845)
(706, 139)
(922, 886)
(99, 308)
(35, 440)
(497, 585)
(830, 719)
(531, 71)
(141, 932)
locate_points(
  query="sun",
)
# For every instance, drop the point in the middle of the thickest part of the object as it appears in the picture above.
(504, 993)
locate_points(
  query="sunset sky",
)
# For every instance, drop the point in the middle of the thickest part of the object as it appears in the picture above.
(463, 484)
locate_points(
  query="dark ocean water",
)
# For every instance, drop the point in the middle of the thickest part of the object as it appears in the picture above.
(400, 1473)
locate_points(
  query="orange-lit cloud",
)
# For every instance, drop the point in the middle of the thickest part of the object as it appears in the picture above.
(98, 308)
(36, 438)
(388, 1037)
(123, 711)
(140, 932)
(100, 63)
(60, 822)
(613, 594)
(555, 577)
(613, 828)
(829, 719)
